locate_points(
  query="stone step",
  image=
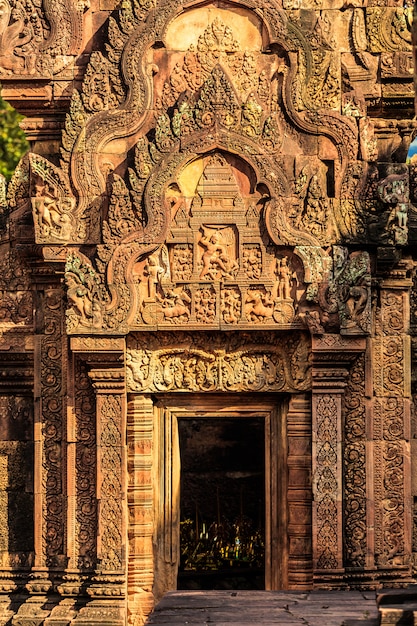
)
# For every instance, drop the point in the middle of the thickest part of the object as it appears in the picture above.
(266, 608)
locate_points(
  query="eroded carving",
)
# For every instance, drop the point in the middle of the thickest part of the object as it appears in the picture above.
(354, 458)
(52, 202)
(351, 288)
(38, 39)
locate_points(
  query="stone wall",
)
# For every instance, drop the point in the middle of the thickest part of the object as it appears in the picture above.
(216, 213)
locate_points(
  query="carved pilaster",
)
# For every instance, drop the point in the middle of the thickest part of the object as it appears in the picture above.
(300, 567)
(104, 359)
(357, 533)
(16, 471)
(391, 423)
(140, 424)
(84, 482)
(49, 433)
(331, 357)
(49, 452)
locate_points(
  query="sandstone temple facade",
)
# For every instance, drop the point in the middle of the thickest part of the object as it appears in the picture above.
(216, 221)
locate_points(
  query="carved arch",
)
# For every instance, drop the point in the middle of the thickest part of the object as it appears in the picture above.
(129, 70)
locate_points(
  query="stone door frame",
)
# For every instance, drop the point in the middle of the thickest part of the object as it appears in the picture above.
(169, 409)
(133, 446)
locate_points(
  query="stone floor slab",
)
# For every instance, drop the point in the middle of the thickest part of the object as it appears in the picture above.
(265, 608)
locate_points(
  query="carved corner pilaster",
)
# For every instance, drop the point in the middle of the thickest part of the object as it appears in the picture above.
(104, 358)
(331, 357)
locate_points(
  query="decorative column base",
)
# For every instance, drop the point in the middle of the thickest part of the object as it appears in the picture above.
(33, 611)
(64, 613)
(105, 612)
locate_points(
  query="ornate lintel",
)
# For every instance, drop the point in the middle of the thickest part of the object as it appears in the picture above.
(97, 345)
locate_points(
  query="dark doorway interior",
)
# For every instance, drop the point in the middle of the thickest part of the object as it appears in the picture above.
(222, 503)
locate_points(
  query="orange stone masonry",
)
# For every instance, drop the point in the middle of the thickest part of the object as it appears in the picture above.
(216, 219)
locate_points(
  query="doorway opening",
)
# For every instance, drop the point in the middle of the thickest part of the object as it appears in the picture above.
(222, 502)
(260, 422)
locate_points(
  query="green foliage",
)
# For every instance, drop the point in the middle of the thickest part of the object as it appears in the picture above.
(13, 144)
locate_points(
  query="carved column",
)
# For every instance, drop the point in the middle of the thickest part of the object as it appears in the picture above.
(140, 424)
(390, 429)
(108, 586)
(16, 468)
(49, 449)
(331, 357)
(300, 567)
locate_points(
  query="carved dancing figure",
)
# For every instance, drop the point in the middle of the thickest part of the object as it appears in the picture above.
(393, 190)
(215, 256)
(315, 214)
(50, 216)
(352, 289)
(88, 308)
(231, 306)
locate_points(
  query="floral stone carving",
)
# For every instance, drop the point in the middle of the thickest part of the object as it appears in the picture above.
(180, 362)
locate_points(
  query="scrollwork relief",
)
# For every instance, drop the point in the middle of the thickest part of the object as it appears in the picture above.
(52, 429)
(111, 486)
(326, 483)
(354, 461)
(85, 468)
(181, 362)
(389, 28)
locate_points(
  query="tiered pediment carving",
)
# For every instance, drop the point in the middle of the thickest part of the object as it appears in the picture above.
(192, 173)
